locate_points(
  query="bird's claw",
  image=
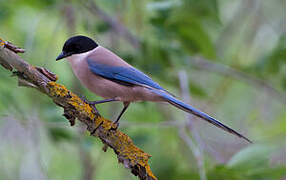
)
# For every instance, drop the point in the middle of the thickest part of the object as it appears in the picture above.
(91, 103)
(84, 99)
(115, 125)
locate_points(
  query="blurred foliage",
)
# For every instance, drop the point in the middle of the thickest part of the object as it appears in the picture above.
(36, 142)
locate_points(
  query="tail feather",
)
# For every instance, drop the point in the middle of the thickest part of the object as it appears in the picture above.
(187, 108)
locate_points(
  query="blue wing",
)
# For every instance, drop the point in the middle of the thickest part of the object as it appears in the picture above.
(122, 75)
(131, 76)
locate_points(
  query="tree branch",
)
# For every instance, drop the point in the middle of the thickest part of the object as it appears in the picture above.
(227, 71)
(196, 149)
(112, 22)
(74, 108)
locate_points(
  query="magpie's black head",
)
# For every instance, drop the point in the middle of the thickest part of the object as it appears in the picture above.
(77, 45)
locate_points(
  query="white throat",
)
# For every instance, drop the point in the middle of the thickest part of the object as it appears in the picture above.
(77, 58)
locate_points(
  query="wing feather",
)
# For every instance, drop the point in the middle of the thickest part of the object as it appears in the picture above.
(122, 75)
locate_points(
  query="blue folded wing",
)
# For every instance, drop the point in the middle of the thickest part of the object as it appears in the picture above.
(123, 75)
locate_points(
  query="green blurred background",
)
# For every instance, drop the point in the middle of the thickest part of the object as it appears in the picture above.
(227, 55)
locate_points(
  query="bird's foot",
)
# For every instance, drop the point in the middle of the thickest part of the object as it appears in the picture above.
(84, 99)
(91, 103)
(115, 125)
(116, 122)
(97, 102)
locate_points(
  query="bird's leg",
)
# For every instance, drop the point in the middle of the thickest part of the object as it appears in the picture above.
(97, 102)
(93, 103)
(116, 122)
(84, 99)
(102, 101)
(88, 102)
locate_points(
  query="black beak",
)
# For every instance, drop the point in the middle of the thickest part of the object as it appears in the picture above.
(62, 55)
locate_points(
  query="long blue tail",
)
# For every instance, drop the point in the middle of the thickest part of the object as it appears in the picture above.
(187, 108)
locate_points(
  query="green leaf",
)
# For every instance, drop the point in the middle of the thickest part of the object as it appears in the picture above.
(251, 157)
(197, 90)
(60, 134)
(192, 35)
(222, 172)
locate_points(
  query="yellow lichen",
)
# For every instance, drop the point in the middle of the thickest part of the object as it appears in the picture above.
(99, 121)
(125, 148)
(119, 141)
(57, 90)
(81, 106)
(107, 125)
(2, 42)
